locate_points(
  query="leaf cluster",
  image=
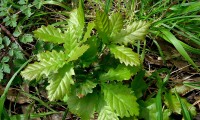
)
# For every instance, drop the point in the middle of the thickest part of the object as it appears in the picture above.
(88, 72)
(89, 64)
(9, 52)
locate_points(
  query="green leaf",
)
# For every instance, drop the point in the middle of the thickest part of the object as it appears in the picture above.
(116, 23)
(60, 83)
(5, 59)
(26, 9)
(77, 52)
(46, 56)
(71, 42)
(125, 55)
(108, 4)
(77, 21)
(166, 114)
(22, 2)
(102, 24)
(50, 34)
(83, 107)
(91, 54)
(85, 88)
(107, 114)
(101, 103)
(38, 3)
(149, 110)
(1, 75)
(174, 105)
(6, 68)
(1, 46)
(14, 46)
(17, 32)
(18, 54)
(88, 32)
(139, 81)
(10, 52)
(121, 99)
(1, 66)
(26, 38)
(1, 40)
(181, 89)
(121, 73)
(11, 20)
(6, 40)
(49, 62)
(3, 9)
(136, 31)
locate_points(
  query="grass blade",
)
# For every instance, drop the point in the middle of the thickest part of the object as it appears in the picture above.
(189, 48)
(174, 18)
(192, 7)
(159, 105)
(160, 51)
(188, 34)
(3, 97)
(32, 116)
(195, 85)
(57, 3)
(185, 111)
(38, 100)
(5, 115)
(170, 37)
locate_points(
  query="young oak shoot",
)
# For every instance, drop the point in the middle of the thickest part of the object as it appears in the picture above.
(90, 92)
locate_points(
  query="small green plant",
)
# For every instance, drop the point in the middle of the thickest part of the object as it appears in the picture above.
(89, 71)
(88, 62)
(15, 37)
(10, 51)
(12, 54)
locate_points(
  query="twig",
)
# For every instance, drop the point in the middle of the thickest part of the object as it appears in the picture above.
(179, 69)
(7, 32)
(2, 55)
(13, 39)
